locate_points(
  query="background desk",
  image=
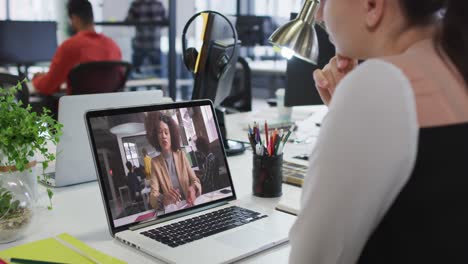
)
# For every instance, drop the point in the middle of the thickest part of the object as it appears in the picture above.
(78, 210)
(160, 82)
(268, 67)
(273, 71)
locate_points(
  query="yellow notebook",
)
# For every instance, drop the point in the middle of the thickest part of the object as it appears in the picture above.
(52, 250)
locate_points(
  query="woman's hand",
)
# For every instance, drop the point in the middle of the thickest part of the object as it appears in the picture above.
(191, 195)
(171, 197)
(328, 78)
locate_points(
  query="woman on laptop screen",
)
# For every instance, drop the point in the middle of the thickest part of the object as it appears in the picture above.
(172, 179)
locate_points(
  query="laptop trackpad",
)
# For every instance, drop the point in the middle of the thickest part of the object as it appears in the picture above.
(247, 238)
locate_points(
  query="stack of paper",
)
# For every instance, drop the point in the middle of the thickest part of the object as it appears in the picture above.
(290, 201)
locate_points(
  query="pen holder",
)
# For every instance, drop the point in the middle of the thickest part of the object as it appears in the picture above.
(267, 175)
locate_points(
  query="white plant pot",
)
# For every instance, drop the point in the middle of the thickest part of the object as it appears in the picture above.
(28, 177)
(17, 217)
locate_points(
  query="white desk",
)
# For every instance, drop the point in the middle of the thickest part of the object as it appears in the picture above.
(163, 82)
(306, 118)
(268, 67)
(79, 211)
(274, 70)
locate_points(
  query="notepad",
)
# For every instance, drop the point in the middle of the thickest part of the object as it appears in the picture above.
(293, 173)
(52, 250)
(290, 202)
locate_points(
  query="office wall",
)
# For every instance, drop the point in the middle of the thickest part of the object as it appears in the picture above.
(61, 17)
(116, 10)
(3, 11)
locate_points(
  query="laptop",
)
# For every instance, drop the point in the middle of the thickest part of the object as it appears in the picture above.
(215, 227)
(72, 152)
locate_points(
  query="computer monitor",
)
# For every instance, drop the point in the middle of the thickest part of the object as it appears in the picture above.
(213, 75)
(218, 41)
(300, 84)
(254, 30)
(27, 42)
(207, 83)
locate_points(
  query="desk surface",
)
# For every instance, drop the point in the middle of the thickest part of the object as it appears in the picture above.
(78, 210)
(268, 66)
(164, 82)
(305, 117)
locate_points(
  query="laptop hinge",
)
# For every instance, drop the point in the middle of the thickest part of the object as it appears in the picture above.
(165, 219)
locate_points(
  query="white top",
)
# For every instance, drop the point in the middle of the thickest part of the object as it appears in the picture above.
(173, 172)
(364, 155)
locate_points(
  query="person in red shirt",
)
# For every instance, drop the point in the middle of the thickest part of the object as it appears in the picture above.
(85, 46)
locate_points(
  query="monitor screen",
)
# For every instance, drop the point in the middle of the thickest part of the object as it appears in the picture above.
(254, 30)
(156, 162)
(300, 84)
(27, 42)
(218, 41)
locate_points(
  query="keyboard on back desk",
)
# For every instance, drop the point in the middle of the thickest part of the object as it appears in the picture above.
(205, 225)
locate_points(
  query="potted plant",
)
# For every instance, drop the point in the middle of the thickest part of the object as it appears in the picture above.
(23, 134)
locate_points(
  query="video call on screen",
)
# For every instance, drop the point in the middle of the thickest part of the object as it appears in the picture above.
(159, 162)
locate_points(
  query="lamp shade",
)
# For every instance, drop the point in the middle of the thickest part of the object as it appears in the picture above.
(298, 37)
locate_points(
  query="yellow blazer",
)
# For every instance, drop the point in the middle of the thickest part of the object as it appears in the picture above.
(161, 181)
(147, 161)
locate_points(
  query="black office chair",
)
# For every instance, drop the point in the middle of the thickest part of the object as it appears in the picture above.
(9, 80)
(99, 77)
(240, 98)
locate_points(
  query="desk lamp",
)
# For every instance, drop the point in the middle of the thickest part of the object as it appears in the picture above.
(298, 37)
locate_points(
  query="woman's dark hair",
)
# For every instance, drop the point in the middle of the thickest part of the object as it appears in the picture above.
(82, 9)
(152, 122)
(202, 145)
(453, 36)
(129, 165)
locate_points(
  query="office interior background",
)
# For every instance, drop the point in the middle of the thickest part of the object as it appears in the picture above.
(268, 69)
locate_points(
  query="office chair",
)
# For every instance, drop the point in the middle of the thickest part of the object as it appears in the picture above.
(9, 80)
(240, 99)
(99, 77)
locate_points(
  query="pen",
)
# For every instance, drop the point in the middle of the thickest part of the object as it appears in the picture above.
(259, 150)
(32, 261)
(277, 144)
(270, 147)
(280, 149)
(259, 135)
(252, 143)
(288, 134)
(273, 142)
(266, 132)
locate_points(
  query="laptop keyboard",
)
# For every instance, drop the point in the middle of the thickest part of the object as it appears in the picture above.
(195, 228)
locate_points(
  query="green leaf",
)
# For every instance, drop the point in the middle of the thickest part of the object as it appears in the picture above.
(15, 205)
(23, 132)
(50, 193)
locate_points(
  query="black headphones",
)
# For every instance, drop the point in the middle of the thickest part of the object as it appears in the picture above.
(190, 55)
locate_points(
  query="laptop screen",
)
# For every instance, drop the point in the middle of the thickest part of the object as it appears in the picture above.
(154, 161)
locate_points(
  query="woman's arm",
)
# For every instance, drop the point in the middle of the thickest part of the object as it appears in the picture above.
(363, 157)
(193, 179)
(154, 184)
